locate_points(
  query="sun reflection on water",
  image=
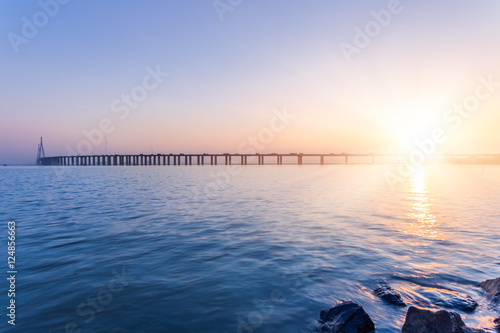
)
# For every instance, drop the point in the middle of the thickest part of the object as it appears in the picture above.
(425, 224)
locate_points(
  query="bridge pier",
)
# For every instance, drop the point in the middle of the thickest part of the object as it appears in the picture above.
(242, 159)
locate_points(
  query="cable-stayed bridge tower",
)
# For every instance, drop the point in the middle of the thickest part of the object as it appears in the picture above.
(41, 153)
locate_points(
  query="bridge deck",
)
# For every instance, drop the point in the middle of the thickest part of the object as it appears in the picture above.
(261, 159)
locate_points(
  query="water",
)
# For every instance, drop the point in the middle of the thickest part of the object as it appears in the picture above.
(193, 249)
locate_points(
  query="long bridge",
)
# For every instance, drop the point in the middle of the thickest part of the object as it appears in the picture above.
(255, 159)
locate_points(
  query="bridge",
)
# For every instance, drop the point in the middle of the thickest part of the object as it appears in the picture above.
(256, 159)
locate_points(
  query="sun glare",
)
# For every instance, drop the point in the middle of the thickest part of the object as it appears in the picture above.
(413, 124)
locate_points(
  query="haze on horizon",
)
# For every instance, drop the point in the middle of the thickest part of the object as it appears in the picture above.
(232, 65)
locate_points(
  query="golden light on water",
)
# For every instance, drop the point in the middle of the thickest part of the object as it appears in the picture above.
(425, 223)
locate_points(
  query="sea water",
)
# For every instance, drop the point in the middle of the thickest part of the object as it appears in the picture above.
(242, 249)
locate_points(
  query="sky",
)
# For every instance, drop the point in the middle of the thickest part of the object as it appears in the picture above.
(316, 76)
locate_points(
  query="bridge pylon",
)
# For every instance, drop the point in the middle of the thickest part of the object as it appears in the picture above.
(40, 153)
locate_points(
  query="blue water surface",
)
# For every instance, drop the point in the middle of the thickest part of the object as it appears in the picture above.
(242, 249)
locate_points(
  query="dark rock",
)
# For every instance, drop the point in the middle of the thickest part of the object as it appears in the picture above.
(389, 295)
(458, 301)
(492, 288)
(444, 298)
(426, 321)
(346, 317)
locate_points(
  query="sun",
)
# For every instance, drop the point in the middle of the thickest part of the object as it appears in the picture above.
(412, 124)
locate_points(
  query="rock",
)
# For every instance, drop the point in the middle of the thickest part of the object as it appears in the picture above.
(492, 288)
(458, 301)
(427, 321)
(346, 317)
(389, 295)
(444, 298)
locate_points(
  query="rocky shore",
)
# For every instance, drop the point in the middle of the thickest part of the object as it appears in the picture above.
(349, 317)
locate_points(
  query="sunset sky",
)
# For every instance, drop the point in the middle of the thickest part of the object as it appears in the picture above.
(231, 68)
